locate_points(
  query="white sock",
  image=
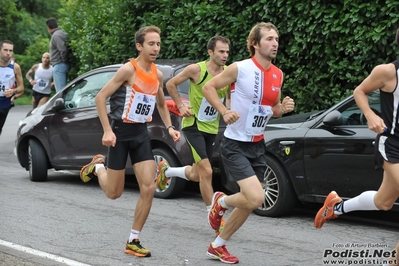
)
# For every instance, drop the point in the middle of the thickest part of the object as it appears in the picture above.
(176, 171)
(222, 203)
(133, 234)
(98, 166)
(363, 202)
(208, 208)
(218, 242)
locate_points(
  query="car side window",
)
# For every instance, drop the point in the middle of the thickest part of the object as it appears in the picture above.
(352, 115)
(83, 92)
(183, 88)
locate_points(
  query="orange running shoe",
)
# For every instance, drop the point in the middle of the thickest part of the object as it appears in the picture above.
(327, 211)
(216, 212)
(221, 253)
(162, 180)
(136, 249)
(88, 171)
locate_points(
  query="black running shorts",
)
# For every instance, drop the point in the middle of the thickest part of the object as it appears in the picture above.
(38, 95)
(131, 139)
(201, 143)
(386, 148)
(243, 159)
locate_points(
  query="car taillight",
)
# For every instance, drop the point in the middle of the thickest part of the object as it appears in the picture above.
(173, 107)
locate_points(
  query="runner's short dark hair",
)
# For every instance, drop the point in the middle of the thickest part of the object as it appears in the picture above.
(5, 41)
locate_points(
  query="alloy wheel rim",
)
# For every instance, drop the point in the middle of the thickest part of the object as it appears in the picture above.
(30, 160)
(271, 190)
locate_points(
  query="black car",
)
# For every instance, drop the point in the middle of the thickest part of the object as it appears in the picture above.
(311, 154)
(65, 133)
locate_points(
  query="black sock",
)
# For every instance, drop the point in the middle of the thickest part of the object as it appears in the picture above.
(339, 207)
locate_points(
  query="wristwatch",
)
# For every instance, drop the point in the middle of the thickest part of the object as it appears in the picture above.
(170, 127)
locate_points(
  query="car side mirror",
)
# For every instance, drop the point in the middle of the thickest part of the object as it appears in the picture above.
(333, 119)
(59, 104)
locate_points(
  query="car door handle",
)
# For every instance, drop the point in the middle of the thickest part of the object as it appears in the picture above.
(287, 142)
(373, 143)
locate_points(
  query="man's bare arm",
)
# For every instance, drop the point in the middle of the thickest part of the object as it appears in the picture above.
(31, 71)
(191, 72)
(122, 75)
(164, 111)
(19, 90)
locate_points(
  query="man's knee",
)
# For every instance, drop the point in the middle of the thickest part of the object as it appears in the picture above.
(205, 170)
(384, 202)
(257, 201)
(255, 198)
(113, 194)
(147, 189)
(384, 206)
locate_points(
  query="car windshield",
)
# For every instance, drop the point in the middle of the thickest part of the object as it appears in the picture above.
(83, 92)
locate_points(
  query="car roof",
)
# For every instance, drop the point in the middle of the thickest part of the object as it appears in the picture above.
(167, 66)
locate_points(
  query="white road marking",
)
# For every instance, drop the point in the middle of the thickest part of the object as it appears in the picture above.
(42, 254)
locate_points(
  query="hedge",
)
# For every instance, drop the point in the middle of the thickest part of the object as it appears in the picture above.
(326, 49)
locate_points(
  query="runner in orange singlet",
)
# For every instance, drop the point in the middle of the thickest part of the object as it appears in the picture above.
(134, 92)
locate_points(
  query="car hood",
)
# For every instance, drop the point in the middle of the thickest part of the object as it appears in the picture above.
(293, 121)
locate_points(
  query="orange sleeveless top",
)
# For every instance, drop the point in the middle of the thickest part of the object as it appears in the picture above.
(145, 83)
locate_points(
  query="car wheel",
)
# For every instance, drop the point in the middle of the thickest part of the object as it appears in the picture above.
(175, 185)
(37, 161)
(280, 197)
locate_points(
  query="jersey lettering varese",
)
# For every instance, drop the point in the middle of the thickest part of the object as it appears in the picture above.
(136, 104)
(206, 117)
(252, 97)
(7, 81)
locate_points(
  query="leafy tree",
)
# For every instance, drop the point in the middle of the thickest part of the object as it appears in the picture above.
(23, 22)
(98, 36)
(326, 48)
(8, 15)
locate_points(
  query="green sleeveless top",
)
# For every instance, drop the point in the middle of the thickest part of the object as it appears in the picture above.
(206, 117)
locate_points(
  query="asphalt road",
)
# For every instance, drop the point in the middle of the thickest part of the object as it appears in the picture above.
(66, 222)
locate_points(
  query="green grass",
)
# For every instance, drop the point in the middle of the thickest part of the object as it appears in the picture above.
(23, 100)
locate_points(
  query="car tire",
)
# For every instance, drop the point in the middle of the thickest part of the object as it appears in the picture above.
(175, 185)
(280, 197)
(37, 161)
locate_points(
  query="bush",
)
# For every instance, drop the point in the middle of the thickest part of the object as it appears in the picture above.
(326, 48)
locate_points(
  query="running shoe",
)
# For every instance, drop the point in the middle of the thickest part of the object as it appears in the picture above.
(136, 249)
(221, 253)
(216, 212)
(162, 180)
(89, 170)
(327, 211)
(221, 227)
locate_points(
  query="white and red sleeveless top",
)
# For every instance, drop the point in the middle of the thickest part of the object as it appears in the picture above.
(252, 97)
